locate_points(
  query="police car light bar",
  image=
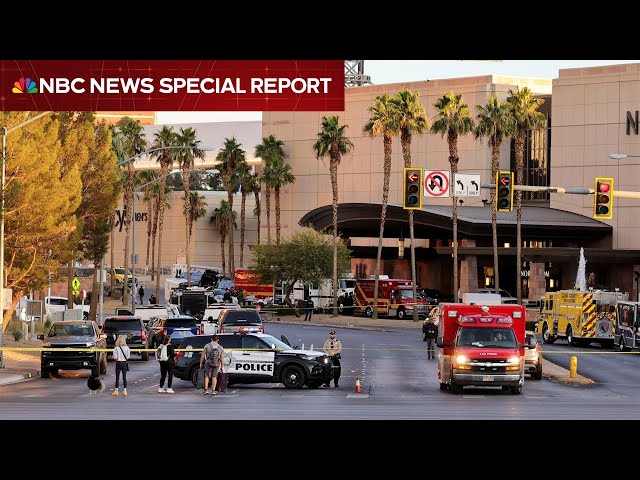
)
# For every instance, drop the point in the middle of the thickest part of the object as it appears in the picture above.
(247, 330)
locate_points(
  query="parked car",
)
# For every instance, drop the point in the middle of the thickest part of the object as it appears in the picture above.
(506, 297)
(532, 356)
(231, 321)
(435, 296)
(67, 334)
(209, 322)
(130, 326)
(118, 274)
(177, 326)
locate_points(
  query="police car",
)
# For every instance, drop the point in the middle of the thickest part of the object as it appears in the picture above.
(253, 357)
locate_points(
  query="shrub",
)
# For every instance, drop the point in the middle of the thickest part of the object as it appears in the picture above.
(47, 324)
(17, 334)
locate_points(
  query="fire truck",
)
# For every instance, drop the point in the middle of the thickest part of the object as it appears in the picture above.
(578, 317)
(482, 345)
(395, 298)
(251, 283)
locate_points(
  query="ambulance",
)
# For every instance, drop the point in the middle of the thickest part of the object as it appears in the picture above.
(578, 317)
(482, 345)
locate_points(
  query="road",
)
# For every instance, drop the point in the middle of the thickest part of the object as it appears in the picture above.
(398, 383)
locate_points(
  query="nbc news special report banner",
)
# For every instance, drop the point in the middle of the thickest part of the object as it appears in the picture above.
(172, 85)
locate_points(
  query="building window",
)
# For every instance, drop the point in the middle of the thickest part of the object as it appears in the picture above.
(537, 155)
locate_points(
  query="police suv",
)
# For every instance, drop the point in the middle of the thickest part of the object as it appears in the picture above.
(253, 357)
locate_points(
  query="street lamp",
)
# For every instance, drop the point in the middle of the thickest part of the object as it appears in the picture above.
(133, 225)
(6, 131)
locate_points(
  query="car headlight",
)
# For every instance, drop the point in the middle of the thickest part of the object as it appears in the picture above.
(514, 360)
(462, 359)
(309, 357)
(90, 344)
(46, 344)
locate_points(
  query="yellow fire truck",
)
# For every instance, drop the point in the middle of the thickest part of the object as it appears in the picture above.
(579, 317)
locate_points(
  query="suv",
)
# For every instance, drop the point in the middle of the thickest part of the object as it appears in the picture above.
(231, 321)
(257, 358)
(147, 312)
(72, 334)
(532, 356)
(178, 326)
(130, 326)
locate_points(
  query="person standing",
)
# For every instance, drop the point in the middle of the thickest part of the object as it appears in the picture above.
(333, 348)
(141, 294)
(121, 354)
(227, 296)
(212, 357)
(166, 355)
(153, 300)
(430, 334)
(240, 297)
(308, 310)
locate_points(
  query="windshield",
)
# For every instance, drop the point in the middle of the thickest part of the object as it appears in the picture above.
(406, 293)
(180, 322)
(486, 337)
(280, 345)
(347, 284)
(73, 330)
(115, 325)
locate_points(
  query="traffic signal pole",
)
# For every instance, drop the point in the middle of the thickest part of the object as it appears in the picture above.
(567, 190)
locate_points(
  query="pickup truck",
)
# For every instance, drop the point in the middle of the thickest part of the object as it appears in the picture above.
(59, 304)
(209, 322)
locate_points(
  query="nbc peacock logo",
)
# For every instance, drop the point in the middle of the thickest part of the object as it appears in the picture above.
(25, 85)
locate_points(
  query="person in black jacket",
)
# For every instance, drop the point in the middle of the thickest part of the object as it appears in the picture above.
(166, 357)
(430, 331)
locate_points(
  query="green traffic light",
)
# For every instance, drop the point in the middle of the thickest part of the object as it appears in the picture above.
(603, 210)
(412, 200)
(504, 203)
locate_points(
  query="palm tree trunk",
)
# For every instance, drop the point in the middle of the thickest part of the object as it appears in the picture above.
(495, 165)
(243, 203)
(128, 199)
(154, 234)
(112, 278)
(453, 162)
(224, 263)
(149, 226)
(187, 208)
(405, 141)
(257, 197)
(521, 136)
(333, 168)
(161, 206)
(230, 233)
(95, 291)
(277, 195)
(267, 198)
(387, 141)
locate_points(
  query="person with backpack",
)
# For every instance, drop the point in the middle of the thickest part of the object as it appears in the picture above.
(166, 355)
(212, 357)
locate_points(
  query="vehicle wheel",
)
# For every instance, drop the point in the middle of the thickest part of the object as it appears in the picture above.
(293, 377)
(537, 375)
(341, 308)
(145, 356)
(45, 373)
(95, 371)
(401, 314)
(516, 390)
(369, 312)
(314, 384)
(194, 377)
(623, 345)
(443, 386)
(455, 388)
(546, 336)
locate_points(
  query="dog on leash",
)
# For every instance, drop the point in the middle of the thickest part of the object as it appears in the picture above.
(95, 384)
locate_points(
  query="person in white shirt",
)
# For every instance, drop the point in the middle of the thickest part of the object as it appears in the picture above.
(121, 354)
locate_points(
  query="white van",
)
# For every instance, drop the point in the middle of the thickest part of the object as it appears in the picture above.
(59, 304)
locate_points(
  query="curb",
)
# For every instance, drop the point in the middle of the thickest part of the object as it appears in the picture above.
(378, 328)
(10, 378)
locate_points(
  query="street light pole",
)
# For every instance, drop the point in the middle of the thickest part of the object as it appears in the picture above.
(6, 131)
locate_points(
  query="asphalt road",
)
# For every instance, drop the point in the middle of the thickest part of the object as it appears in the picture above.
(398, 383)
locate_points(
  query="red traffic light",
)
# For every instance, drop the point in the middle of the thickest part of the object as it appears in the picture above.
(604, 187)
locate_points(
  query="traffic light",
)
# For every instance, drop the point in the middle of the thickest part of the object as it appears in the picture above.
(504, 191)
(412, 197)
(603, 199)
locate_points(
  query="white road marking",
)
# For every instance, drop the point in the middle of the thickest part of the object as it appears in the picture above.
(357, 395)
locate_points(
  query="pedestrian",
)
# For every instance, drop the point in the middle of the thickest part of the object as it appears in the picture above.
(227, 296)
(166, 355)
(212, 357)
(333, 348)
(153, 300)
(141, 294)
(430, 334)
(121, 354)
(240, 297)
(308, 310)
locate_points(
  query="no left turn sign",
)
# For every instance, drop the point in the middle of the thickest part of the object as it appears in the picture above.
(436, 183)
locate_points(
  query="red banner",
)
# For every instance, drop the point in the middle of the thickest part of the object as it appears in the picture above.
(172, 85)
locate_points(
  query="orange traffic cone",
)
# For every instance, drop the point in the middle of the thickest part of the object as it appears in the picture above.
(358, 386)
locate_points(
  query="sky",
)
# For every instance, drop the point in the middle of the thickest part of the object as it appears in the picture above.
(394, 71)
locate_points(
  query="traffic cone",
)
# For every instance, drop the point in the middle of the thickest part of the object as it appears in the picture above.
(358, 386)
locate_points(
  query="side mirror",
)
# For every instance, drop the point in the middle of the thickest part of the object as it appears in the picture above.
(440, 342)
(41, 336)
(210, 320)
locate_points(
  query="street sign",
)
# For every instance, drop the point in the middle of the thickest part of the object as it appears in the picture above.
(75, 286)
(467, 185)
(436, 183)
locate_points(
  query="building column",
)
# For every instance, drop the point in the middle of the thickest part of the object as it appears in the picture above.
(468, 270)
(537, 281)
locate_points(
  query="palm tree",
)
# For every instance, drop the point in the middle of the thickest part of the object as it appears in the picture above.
(271, 149)
(280, 176)
(383, 122)
(149, 197)
(159, 224)
(333, 142)
(244, 178)
(253, 186)
(223, 216)
(165, 137)
(187, 139)
(411, 117)
(453, 118)
(524, 107)
(196, 210)
(128, 141)
(229, 157)
(495, 122)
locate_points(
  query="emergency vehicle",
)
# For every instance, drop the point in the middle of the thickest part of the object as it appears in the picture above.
(251, 284)
(627, 336)
(395, 298)
(482, 345)
(579, 317)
